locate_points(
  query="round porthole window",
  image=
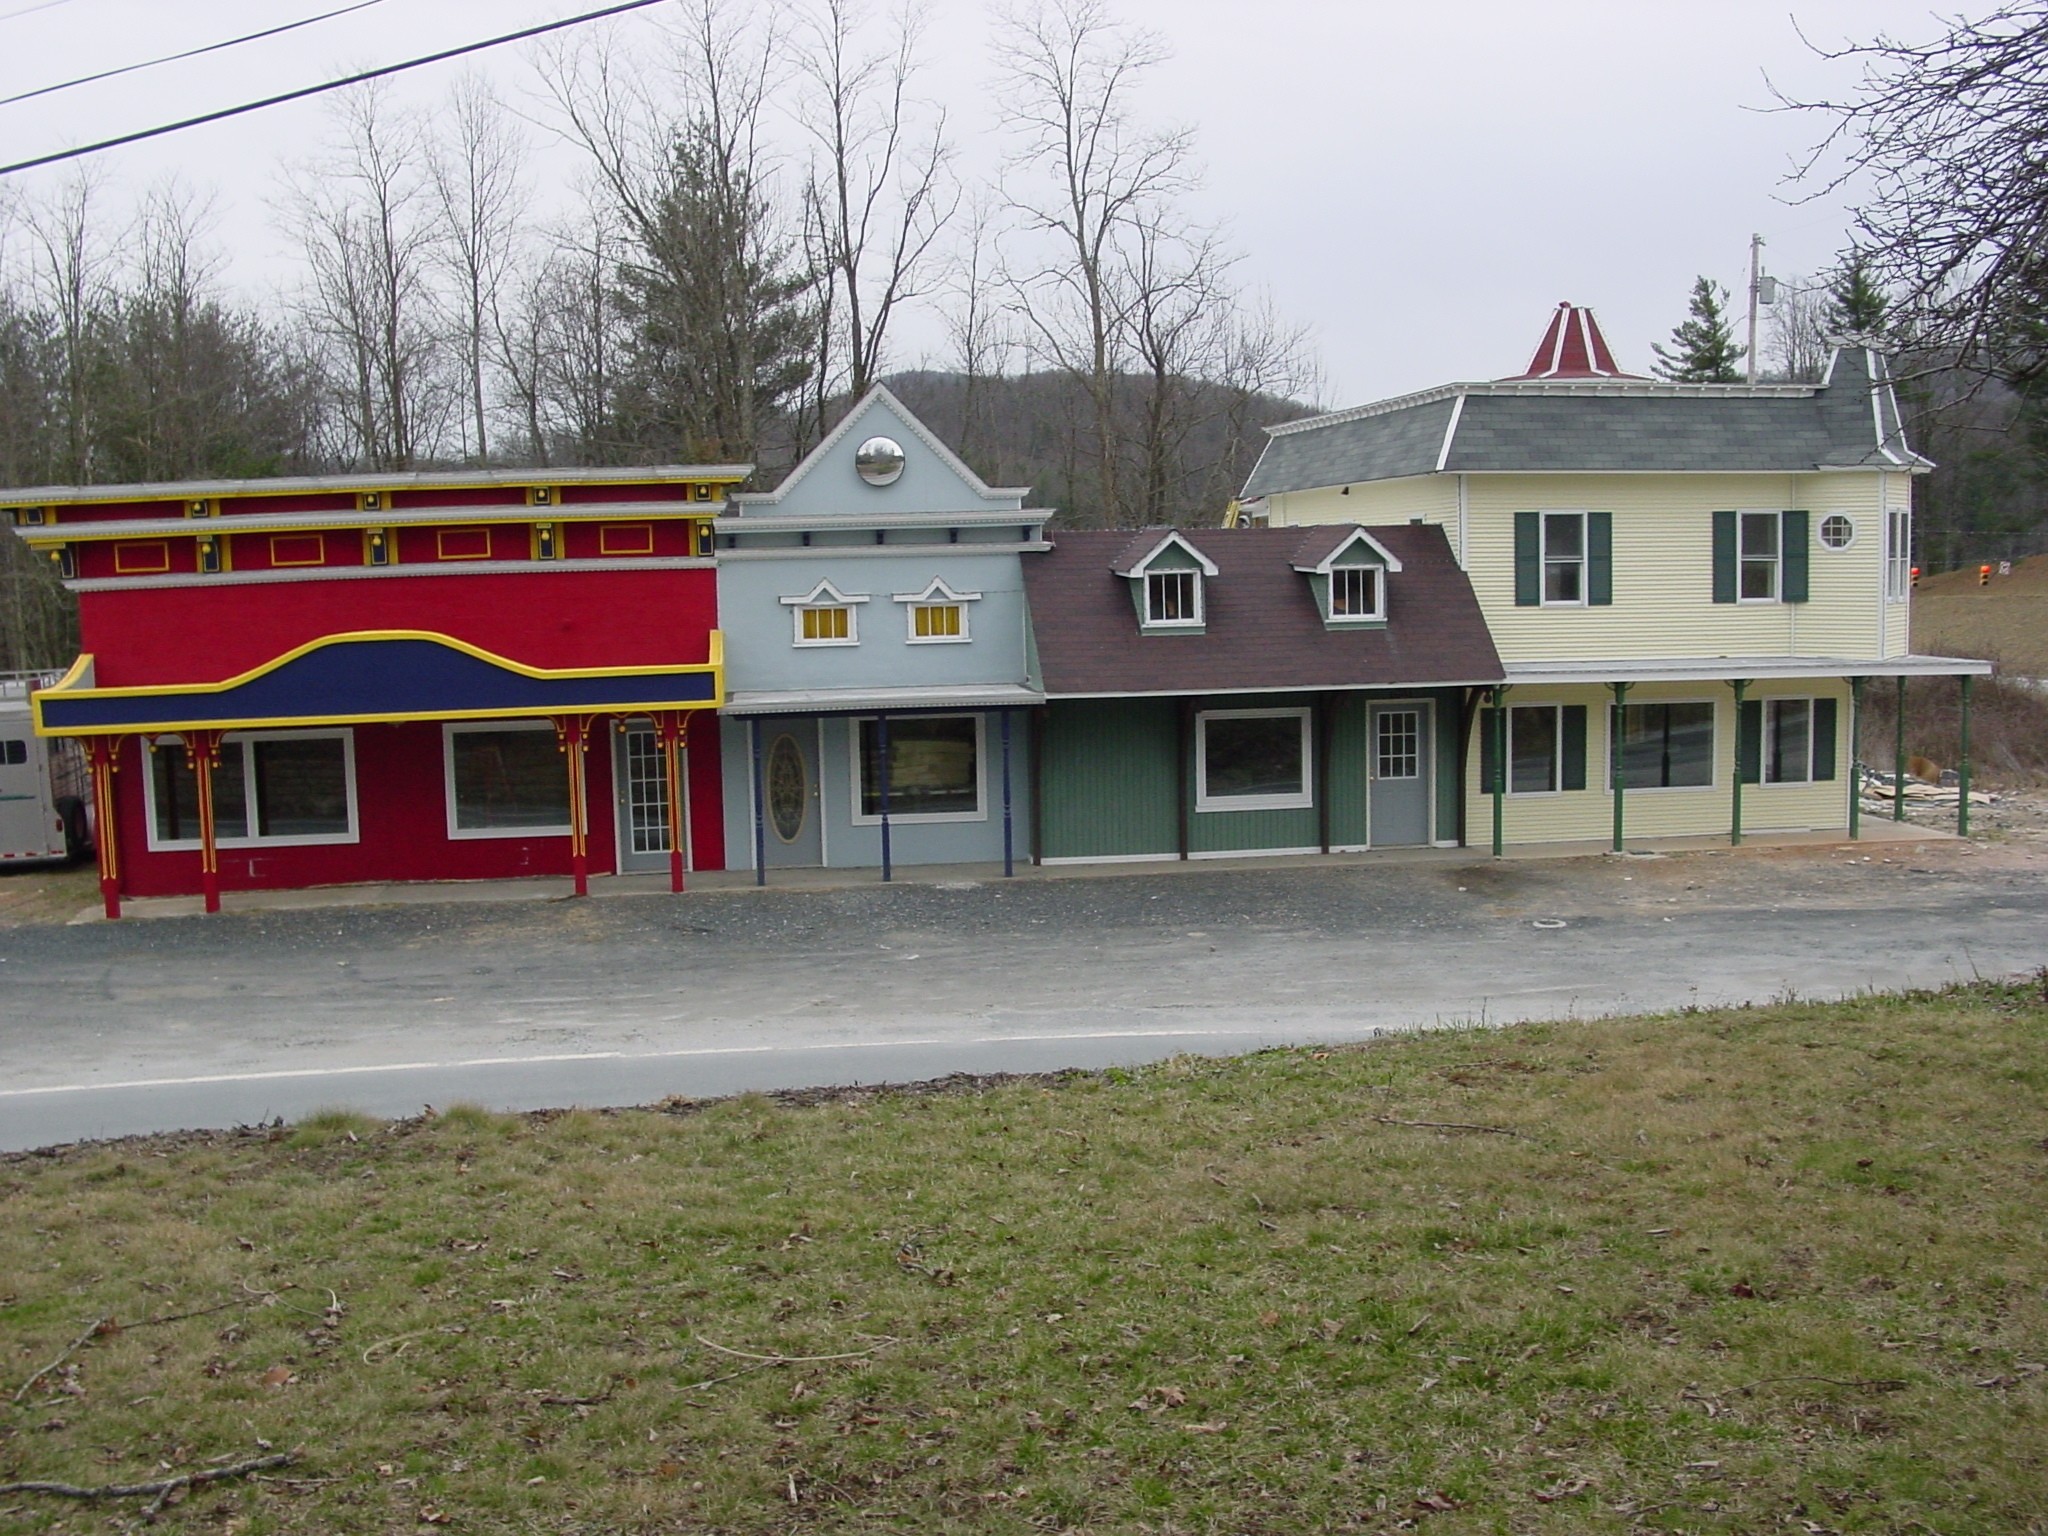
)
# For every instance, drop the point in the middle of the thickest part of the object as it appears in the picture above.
(1837, 532)
(879, 461)
(788, 788)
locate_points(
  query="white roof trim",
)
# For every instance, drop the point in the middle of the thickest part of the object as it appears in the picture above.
(1173, 536)
(427, 479)
(879, 700)
(1443, 454)
(1749, 668)
(1333, 558)
(1654, 388)
(880, 394)
(937, 589)
(823, 592)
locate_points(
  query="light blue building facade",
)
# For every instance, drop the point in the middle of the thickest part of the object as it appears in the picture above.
(878, 644)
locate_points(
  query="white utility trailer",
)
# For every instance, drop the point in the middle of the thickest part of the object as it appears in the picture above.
(44, 784)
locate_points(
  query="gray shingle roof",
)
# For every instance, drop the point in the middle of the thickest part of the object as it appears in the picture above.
(1852, 419)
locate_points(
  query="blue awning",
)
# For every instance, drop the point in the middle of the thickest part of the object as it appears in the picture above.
(361, 678)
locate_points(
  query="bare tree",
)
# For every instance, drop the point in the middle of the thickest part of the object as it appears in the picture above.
(1945, 144)
(478, 188)
(366, 224)
(879, 188)
(1797, 328)
(977, 326)
(1083, 175)
(73, 266)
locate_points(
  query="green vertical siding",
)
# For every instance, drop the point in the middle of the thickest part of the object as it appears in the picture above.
(1450, 774)
(1111, 784)
(1347, 787)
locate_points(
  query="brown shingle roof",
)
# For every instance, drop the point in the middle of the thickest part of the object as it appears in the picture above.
(1263, 630)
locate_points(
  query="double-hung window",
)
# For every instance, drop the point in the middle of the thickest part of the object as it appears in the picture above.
(1898, 555)
(1564, 558)
(1759, 557)
(1667, 746)
(280, 787)
(1173, 597)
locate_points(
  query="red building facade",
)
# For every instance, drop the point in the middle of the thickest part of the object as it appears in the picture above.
(462, 675)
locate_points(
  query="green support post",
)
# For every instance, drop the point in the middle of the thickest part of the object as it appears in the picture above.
(1614, 756)
(1499, 747)
(1899, 758)
(1741, 686)
(1963, 768)
(1855, 758)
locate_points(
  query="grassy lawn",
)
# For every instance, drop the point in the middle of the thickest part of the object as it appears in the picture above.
(1776, 1269)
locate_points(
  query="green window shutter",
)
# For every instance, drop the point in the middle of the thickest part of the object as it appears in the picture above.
(1724, 557)
(1528, 561)
(1823, 740)
(1798, 539)
(1489, 722)
(1600, 559)
(1574, 743)
(1749, 742)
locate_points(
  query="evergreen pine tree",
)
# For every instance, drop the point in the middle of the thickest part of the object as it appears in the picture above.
(1703, 349)
(1856, 305)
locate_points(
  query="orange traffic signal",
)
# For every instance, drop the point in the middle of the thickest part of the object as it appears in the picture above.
(1983, 575)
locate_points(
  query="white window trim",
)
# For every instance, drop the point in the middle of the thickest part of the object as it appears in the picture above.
(243, 740)
(1714, 752)
(937, 595)
(823, 595)
(1763, 746)
(921, 818)
(449, 731)
(1379, 592)
(1898, 554)
(1299, 800)
(1585, 559)
(1145, 593)
(1821, 521)
(1507, 767)
(1777, 563)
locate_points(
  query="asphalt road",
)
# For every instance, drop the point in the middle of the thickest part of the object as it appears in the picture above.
(112, 1029)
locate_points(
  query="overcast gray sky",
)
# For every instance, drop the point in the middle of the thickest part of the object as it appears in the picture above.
(1418, 184)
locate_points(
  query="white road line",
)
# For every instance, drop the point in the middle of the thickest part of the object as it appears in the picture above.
(531, 1061)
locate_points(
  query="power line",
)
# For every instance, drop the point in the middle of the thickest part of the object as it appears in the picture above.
(315, 90)
(30, 10)
(189, 53)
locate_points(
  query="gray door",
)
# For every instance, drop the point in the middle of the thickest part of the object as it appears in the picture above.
(642, 780)
(789, 794)
(1397, 752)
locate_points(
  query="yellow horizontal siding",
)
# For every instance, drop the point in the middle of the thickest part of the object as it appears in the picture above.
(1588, 814)
(1433, 498)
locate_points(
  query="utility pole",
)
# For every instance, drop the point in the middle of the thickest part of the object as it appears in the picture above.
(1756, 275)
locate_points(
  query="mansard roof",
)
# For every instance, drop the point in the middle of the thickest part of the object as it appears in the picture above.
(1850, 420)
(1262, 628)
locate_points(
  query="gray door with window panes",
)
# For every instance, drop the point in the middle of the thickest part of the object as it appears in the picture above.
(642, 780)
(791, 835)
(1397, 759)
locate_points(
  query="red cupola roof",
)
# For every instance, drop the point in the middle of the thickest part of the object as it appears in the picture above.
(1573, 348)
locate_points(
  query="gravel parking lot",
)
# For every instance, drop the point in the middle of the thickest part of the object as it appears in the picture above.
(148, 1025)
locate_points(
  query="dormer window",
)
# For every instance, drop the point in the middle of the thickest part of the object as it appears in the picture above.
(824, 616)
(1356, 592)
(937, 615)
(1173, 597)
(1347, 570)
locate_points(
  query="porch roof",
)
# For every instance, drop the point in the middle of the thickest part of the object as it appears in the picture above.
(1748, 668)
(373, 676)
(872, 701)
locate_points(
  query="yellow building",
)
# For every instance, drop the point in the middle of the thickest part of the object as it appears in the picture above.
(1691, 585)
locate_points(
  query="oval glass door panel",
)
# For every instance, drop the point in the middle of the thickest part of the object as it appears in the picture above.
(788, 790)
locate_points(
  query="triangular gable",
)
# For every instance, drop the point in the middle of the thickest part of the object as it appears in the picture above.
(938, 592)
(823, 592)
(1138, 556)
(879, 411)
(1309, 557)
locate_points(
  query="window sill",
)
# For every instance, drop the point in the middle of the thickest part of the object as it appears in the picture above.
(478, 834)
(236, 844)
(921, 818)
(821, 645)
(1255, 803)
(939, 640)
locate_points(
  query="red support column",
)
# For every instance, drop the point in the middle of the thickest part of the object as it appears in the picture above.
(103, 753)
(572, 733)
(672, 727)
(204, 750)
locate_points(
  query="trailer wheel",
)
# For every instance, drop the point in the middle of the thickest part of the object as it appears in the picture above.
(77, 839)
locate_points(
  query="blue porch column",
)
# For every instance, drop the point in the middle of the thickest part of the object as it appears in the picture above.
(760, 819)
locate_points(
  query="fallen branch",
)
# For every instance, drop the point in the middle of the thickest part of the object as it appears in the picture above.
(747, 1354)
(1451, 1125)
(1876, 1384)
(96, 1327)
(159, 1490)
